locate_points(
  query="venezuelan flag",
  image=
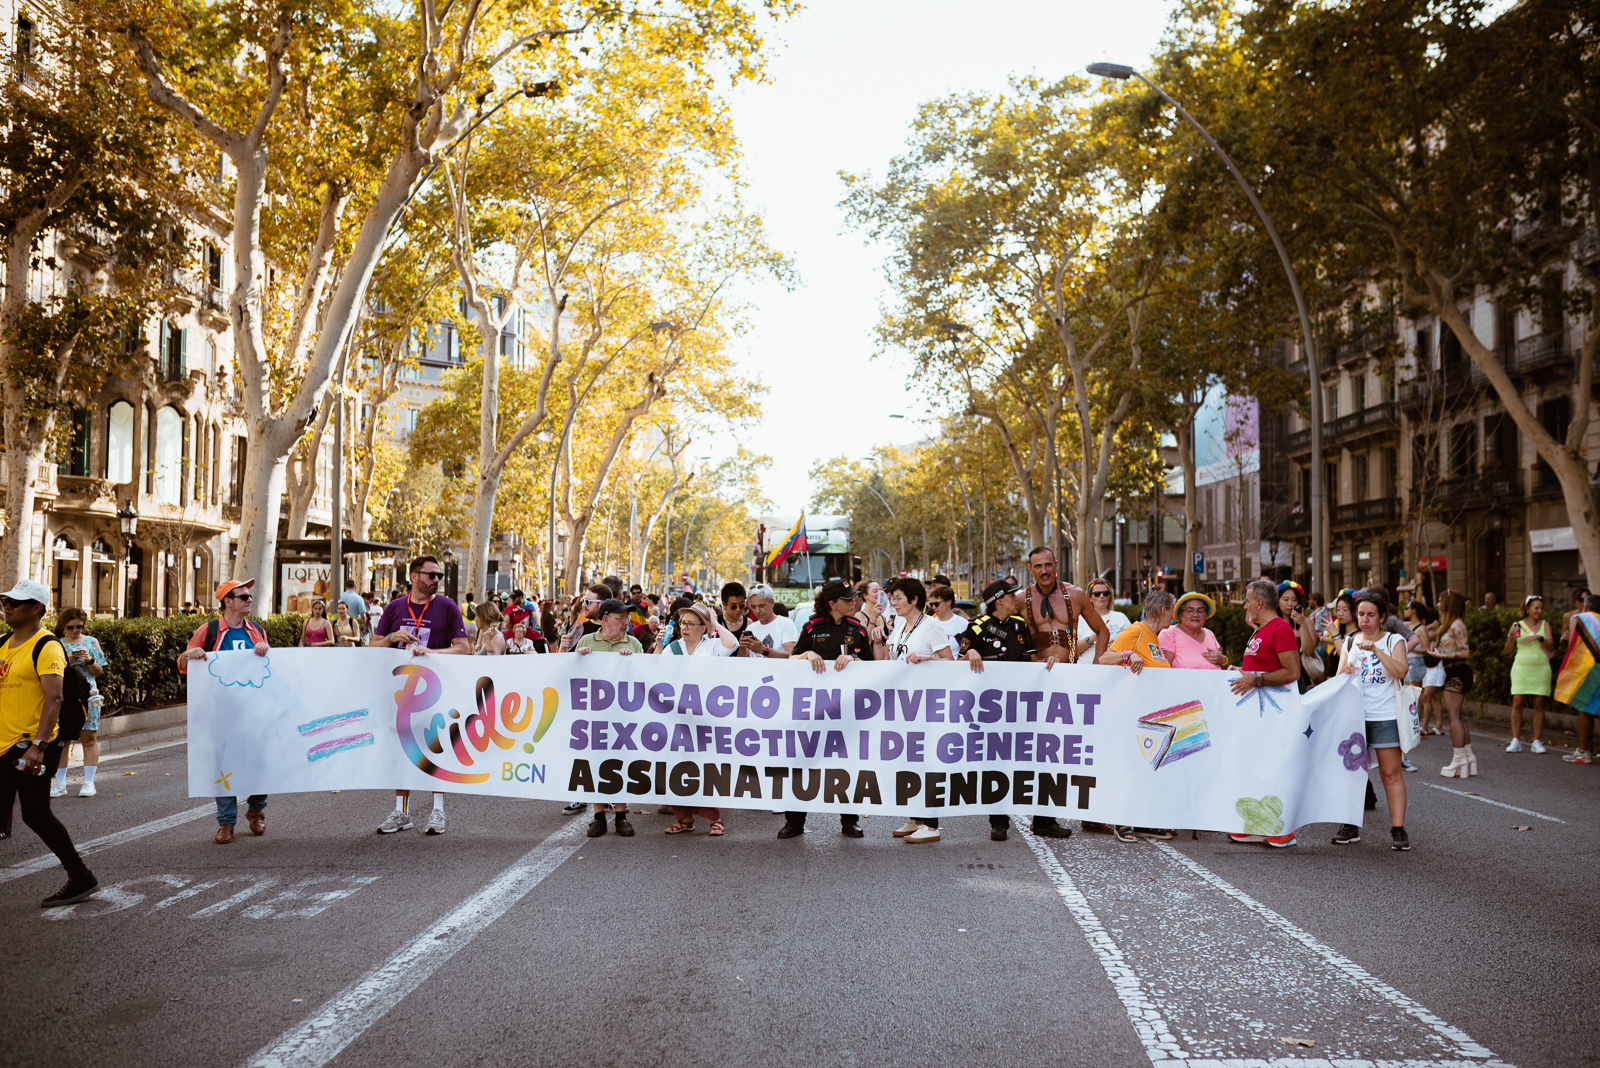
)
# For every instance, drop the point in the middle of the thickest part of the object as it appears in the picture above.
(794, 541)
(1578, 684)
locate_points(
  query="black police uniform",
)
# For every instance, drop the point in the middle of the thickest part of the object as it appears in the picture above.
(829, 640)
(1006, 640)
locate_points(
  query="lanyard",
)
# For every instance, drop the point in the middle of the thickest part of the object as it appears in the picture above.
(416, 620)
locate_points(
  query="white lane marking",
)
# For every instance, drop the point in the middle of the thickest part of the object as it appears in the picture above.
(344, 1017)
(1499, 804)
(1153, 1030)
(1464, 1044)
(257, 886)
(48, 860)
(106, 758)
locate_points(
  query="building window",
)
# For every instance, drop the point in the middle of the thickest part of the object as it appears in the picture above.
(76, 461)
(119, 442)
(1424, 349)
(173, 358)
(27, 40)
(211, 356)
(214, 266)
(1359, 486)
(1358, 391)
(1331, 402)
(411, 420)
(169, 456)
(1391, 472)
(1464, 450)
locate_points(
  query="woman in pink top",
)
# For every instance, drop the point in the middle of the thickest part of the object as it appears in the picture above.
(1188, 643)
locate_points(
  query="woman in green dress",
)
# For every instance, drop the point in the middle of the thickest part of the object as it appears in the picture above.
(1530, 672)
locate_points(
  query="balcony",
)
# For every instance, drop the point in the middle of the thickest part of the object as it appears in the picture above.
(1540, 351)
(1365, 337)
(1296, 522)
(1442, 391)
(1366, 513)
(1455, 493)
(1298, 441)
(1374, 420)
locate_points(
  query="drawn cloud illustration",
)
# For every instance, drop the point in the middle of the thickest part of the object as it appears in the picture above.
(241, 669)
(1261, 815)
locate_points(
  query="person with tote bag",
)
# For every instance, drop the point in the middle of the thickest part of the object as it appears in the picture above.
(1378, 661)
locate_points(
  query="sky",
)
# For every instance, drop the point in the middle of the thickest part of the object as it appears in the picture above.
(845, 80)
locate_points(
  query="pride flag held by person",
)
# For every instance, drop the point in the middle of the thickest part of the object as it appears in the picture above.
(1579, 683)
(793, 541)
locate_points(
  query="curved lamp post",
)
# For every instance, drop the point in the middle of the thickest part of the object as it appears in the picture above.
(1319, 554)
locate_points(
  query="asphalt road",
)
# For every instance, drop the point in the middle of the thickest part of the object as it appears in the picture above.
(514, 940)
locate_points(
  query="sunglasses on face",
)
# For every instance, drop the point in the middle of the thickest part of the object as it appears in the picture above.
(431, 574)
(1099, 593)
(240, 597)
(591, 600)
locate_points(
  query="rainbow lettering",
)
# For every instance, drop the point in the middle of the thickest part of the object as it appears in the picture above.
(495, 723)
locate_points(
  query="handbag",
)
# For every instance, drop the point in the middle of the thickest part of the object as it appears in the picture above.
(1405, 715)
(1311, 666)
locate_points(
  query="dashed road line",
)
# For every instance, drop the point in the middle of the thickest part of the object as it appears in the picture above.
(347, 1015)
(143, 830)
(1497, 804)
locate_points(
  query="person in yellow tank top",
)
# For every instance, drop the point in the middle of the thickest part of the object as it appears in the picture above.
(32, 663)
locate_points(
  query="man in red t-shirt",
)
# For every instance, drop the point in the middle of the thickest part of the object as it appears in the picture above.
(1272, 658)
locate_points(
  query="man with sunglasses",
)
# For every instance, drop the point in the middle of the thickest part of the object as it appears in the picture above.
(232, 630)
(588, 616)
(32, 665)
(422, 621)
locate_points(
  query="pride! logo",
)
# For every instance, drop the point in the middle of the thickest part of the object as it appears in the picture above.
(470, 737)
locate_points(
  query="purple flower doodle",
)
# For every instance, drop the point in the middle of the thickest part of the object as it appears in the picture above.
(1354, 751)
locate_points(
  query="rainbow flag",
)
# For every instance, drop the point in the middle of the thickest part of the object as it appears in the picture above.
(793, 541)
(1172, 733)
(1578, 683)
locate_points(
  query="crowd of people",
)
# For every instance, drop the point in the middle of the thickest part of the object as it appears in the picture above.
(1296, 641)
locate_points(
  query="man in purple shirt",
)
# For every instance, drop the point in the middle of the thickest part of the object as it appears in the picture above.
(426, 623)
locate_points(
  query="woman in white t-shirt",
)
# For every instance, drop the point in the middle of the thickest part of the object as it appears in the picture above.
(1378, 660)
(700, 634)
(917, 636)
(1100, 596)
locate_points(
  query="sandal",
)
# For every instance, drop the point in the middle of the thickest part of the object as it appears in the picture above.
(681, 827)
(1125, 834)
(1154, 832)
(716, 828)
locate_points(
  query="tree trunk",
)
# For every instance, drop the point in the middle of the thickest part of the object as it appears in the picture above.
(258, 523)
(1565, 458)
(301, 474)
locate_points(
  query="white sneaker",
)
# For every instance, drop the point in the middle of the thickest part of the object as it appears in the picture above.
(1536, 747)
(397, 821)
(922, 834)
(435, 824)
(58, 788)
(909, 828)
(1515, 746)
(86, 790)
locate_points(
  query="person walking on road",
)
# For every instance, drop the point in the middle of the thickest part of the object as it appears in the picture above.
(917, 637)
(317, 631)
(1572, 689)
(1378, 661)
(832, 636)
(1271, 658)
(1053, 609)
(1450, 645)
(84, 656)
(422, 621)
(1136, 648)
(612, 637)
(233, 630)
(32, 665)
(999, 634)
(346, 628)
(1530, 671)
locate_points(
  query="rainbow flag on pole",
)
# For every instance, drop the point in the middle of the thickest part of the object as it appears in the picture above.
(794, 541)
(1578, 683)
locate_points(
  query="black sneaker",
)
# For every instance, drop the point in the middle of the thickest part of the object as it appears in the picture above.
(597, 826)
(1349, 834)
(849, 830)
(997, 834)
(574, 808)
(77, 888)
(1052, 829)
(794, 830)
(624, 828)
(1400, 841)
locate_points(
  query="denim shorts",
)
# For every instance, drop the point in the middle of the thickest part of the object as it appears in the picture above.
(1383, 734)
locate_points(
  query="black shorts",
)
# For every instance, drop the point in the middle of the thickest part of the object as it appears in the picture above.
(1458, 676)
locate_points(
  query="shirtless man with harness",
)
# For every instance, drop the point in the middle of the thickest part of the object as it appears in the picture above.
(1052, 608)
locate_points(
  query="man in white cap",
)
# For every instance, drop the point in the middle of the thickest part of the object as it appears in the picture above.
(32, 664)
(233, 631)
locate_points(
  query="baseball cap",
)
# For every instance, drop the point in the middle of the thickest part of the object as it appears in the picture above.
(997, 589)
(29, 590)
(612, 605)
(228, 587)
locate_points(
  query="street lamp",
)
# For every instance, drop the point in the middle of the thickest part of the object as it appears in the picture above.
(1313, 365)
(128, 519)
(892, 516)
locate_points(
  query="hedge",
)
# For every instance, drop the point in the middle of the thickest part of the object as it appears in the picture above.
(142, 656)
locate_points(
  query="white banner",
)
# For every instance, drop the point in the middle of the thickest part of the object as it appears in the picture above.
(1163, 749)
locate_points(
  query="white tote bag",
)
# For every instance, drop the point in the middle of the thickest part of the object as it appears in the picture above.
(1406, 698)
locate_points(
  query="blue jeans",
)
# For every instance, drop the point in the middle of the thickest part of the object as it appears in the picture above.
(228, 808)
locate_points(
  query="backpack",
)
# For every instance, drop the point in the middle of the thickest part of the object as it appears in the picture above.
(74, 695)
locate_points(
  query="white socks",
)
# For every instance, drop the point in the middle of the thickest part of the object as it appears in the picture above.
(88, 773)
(61, 776)
(438, 801)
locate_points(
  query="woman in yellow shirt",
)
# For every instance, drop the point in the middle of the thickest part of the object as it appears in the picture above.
(1139, 644)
